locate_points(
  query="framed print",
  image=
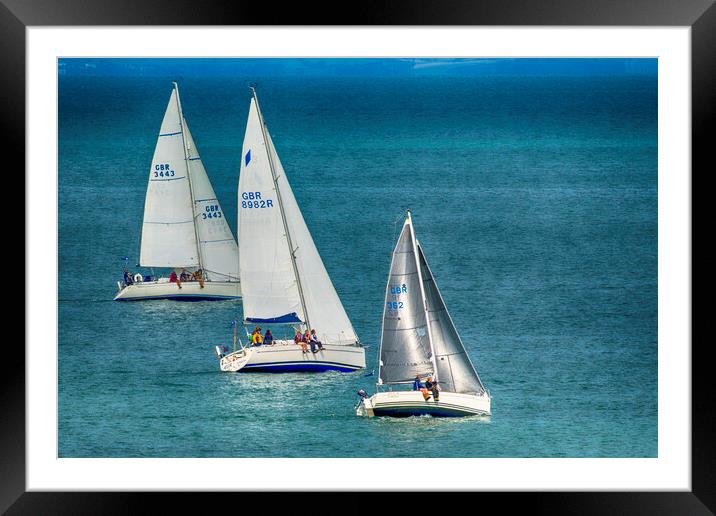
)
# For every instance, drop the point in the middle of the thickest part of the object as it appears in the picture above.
(419, 215)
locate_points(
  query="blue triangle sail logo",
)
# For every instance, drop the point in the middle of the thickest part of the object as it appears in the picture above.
(247, 158)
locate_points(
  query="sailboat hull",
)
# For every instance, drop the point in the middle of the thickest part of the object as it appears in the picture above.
(412, 403)
(287, 357)
(189, 291)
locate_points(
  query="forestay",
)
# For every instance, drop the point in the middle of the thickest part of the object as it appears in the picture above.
(454, 369)
(168, 235)
(405, 346)
(219, 252)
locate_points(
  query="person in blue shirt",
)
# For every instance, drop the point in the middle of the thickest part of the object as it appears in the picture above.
(432, 386)
(315, 342)
(268, 337)
(420, 386)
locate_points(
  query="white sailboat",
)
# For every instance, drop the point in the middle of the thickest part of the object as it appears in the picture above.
(419, 341)
(283, 279)
(184, 227)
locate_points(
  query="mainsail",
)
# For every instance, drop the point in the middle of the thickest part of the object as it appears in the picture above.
(454, 369)
(219, 252)
(405, 342)
(168, 234)
(283, 278)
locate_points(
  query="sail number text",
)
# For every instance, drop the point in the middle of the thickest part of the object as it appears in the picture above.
(396, 290)
(163, 170)
(211, 212)
(252, 200)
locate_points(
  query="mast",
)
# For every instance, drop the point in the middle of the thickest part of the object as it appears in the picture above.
(291, 249)
(188, 174)
(425, 302)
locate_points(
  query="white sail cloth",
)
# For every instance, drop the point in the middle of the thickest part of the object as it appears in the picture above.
(219, 252)
(272, 281)
(168, 236)
(268, 285)
(181, 205)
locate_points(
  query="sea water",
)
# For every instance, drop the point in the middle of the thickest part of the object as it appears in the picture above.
(534, 198)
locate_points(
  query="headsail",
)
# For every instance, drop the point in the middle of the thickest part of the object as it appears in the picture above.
(454, 369)
(219, 252)
(325, 310)
(405, 343)
(168, 234)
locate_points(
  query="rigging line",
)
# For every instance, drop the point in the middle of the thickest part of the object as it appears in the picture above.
(395, 229)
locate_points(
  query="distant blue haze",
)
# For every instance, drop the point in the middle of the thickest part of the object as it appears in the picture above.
(363, 67)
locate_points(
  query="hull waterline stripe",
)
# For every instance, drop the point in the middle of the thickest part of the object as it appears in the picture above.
(425, 405)
(407, 412)
(296, 362)
(298, 366)
(180, 297)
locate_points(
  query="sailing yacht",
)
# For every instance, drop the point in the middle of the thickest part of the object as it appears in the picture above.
(283, 280)
(419, 341)
(184, 227)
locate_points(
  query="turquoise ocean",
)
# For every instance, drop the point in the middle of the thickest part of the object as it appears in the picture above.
(534, 196)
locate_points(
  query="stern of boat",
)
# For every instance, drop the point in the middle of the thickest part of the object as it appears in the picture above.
(365, 406)
(234, 362)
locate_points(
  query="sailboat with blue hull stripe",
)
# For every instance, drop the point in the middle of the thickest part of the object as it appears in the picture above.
(184, 227)
(283, 280)
(420, 348)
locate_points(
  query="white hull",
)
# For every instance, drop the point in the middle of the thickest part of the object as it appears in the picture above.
(286, 356)
(412, 403)
(190, 291)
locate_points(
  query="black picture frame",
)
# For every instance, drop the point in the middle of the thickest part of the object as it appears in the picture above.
(699, 15)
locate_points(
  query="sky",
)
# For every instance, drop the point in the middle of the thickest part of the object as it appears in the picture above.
(355, 67)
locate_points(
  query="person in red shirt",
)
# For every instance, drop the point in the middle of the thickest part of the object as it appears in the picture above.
(173, 279)
(298, 339)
